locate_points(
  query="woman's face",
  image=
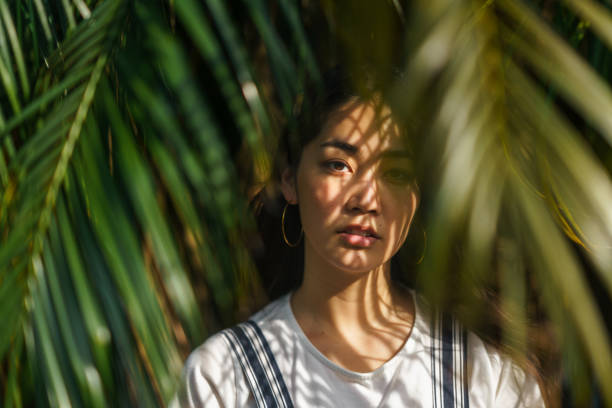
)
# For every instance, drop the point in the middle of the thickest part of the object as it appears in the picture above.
(355, 189)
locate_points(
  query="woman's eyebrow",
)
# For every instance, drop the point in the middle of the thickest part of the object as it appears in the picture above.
(347, 147)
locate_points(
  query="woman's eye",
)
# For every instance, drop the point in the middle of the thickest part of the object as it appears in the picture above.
(398, 176)
(337, 166)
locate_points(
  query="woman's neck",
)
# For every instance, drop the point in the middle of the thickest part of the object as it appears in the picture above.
(341, 311)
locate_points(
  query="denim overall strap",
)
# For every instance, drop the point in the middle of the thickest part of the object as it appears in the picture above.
(449, 363)
(258, 365)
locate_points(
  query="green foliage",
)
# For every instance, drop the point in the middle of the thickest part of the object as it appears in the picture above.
(132, 132)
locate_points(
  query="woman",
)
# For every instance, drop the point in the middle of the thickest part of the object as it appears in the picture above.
(349, 335)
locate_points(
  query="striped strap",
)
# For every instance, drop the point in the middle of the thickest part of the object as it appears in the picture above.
(449, 364)
(258, 365)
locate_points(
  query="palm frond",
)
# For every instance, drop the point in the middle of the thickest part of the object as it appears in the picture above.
(500, 141)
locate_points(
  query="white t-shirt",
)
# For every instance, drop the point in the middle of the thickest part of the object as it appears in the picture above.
(213, 378)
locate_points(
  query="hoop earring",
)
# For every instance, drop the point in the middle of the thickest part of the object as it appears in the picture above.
(292, 245)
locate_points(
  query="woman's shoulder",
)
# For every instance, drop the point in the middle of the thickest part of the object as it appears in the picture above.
(211, 374)
(213, 351)
(494, 378)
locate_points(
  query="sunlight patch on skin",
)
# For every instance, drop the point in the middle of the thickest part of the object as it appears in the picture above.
(360, 197)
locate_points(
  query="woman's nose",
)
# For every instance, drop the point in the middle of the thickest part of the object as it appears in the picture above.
(364, 196)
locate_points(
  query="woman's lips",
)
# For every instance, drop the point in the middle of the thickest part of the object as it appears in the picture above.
(359, 236)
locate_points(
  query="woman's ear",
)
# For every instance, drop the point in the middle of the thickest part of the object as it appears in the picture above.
(288, 186)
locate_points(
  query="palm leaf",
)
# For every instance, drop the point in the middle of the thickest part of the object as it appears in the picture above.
(67, 224)
(496, 134)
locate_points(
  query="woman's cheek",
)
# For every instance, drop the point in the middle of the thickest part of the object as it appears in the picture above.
(324, 189)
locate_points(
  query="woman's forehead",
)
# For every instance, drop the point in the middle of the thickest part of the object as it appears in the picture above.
(369, 127)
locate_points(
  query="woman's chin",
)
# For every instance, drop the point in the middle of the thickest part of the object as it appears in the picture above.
(345, 258)
(357, 262)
